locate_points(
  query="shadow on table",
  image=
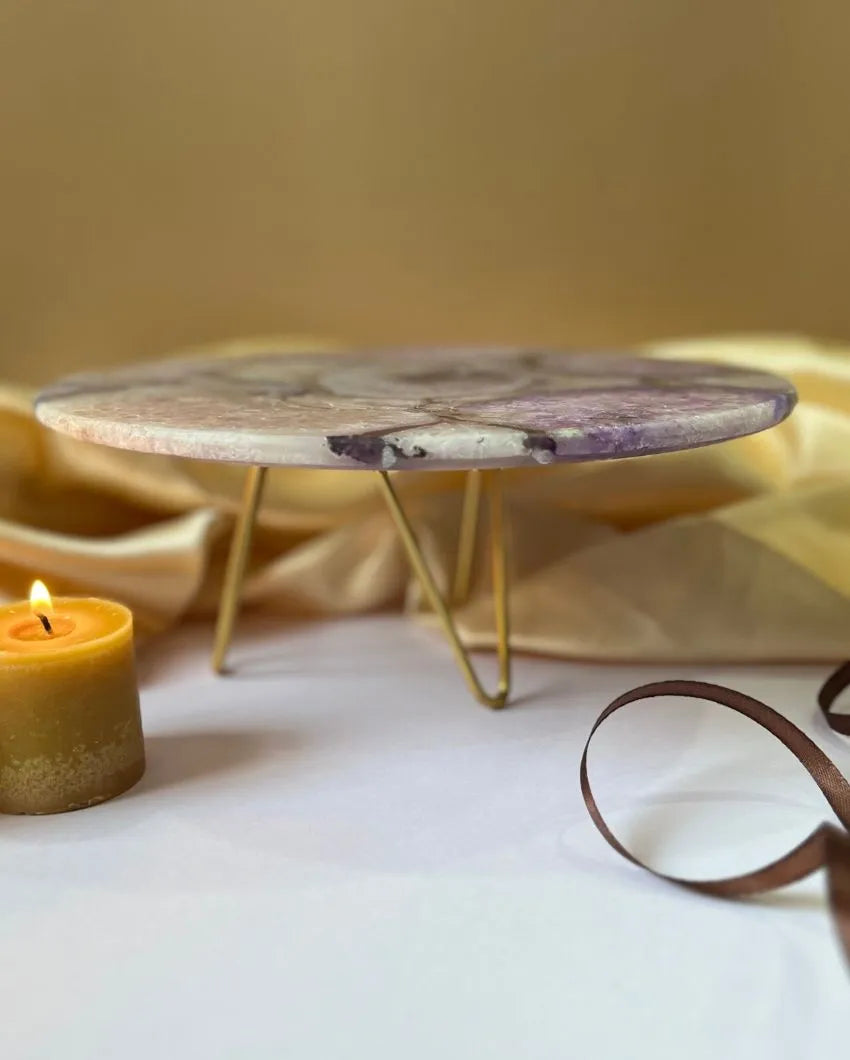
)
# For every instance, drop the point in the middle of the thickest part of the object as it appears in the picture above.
(178, 758)
(648, 839)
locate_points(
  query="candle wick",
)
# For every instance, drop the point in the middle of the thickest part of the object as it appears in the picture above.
(45, 621)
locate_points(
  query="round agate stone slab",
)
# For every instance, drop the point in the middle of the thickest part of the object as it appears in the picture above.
(415, 409)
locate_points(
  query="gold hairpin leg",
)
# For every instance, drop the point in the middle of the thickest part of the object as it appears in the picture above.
(435, 597)
(467, 537)
(237, 560)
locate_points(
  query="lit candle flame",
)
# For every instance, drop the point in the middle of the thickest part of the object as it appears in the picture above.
(40, 600)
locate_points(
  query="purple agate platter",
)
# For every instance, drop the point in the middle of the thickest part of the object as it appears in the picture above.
(415, 409)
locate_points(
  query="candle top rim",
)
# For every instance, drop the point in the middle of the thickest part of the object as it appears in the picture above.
(98, 624)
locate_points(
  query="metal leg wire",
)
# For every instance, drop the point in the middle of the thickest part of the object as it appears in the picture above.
(467, 538)
(476, 483)
(237, 561)
(469, 519)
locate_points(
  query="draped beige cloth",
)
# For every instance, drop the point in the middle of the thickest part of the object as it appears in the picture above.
(735, 552)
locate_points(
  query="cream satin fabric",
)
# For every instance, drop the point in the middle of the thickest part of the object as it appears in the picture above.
(736, 552)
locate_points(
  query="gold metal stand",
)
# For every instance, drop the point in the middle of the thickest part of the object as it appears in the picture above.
(469, 520)
(237, 560)
(467, 538)
(490, 482)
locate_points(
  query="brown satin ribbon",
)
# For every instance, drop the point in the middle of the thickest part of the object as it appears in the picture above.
(827, 847)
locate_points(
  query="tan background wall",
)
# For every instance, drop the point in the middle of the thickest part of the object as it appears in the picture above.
(541, 170)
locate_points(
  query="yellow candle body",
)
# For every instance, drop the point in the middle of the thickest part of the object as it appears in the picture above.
(70, 728)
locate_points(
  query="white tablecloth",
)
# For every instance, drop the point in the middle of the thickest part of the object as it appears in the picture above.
(336, 854)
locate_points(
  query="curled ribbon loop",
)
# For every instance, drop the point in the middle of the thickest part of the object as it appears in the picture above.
(827, 847)
(831, 690)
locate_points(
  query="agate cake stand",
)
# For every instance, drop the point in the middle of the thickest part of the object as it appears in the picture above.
(473, 410)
